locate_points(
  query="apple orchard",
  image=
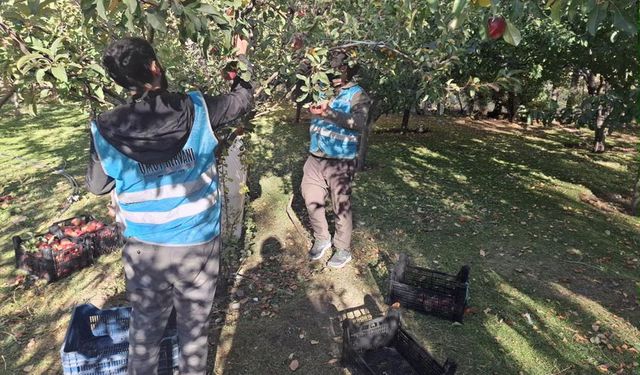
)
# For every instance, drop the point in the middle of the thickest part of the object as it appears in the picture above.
(568, 61)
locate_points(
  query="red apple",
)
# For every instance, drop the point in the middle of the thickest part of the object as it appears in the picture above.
(229, 75)
(76, 221)
(496, 27)
(98, 224)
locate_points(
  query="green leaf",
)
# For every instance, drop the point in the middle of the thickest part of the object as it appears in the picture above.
(433, 5)
(55, 45)
(245, 76)
(27, 59)
(98, 69)
(596, 16)
(622, 23)
(512, 34)
(34, 6)
(132, 5)
(556, 7)
(101, 10)
(99, 93)
(208, 9)
(40, 75)
(60, 73)
(130, 25)
(302, 97)
(458, 6)
(322, 77)
(516, 9)
(156, 21)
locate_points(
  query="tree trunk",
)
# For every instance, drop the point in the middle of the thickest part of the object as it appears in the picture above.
(7, 95)
(471, 106)
(600, 133)
(592, 87)
(363, 144)
(298, 112)
(405, 118)
(460, 103)
(512, 105)
(496, 98)
(635, 200)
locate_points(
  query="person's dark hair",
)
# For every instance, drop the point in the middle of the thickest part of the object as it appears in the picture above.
(127, 62)
(341, 59)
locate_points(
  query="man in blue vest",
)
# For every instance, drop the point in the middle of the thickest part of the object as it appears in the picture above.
(330, 166)
(157, 154)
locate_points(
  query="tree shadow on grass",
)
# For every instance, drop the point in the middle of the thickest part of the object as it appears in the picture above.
(507, 205)
(271, 322)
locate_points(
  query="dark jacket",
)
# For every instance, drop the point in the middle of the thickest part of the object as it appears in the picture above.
(154, 128)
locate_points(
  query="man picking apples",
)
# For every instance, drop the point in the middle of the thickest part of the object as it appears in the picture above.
(157, 153)
(330, 166)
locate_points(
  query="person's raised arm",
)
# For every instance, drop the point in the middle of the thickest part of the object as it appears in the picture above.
(96, 180)
(356, 119)
(226, 108)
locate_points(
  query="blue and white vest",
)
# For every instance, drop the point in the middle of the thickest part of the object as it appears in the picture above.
(330, 140)
(174, 202)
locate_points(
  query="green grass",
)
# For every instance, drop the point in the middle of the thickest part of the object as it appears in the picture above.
(547, 266)
(508, 203)
(33, 317)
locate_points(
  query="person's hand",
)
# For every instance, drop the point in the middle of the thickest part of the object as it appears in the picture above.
(319, 109)
(241, 45)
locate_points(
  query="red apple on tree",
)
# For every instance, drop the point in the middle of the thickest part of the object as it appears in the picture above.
(229, 75)
(496, 26)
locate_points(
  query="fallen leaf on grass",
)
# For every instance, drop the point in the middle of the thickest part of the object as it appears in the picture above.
(293, 366)
(315, 342)
(333, 361)
(604, 368)
(580, 339)
(483, 253)
(28, 369)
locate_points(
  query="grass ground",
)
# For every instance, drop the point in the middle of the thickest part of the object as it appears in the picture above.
(554, 258)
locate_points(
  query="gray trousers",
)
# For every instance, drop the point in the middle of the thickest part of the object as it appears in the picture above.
(160, 278)
(321, 178)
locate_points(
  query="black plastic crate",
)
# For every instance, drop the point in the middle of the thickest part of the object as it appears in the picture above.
(429, 291)
(96, 343)
(107, 240)
(53, 264)
(382, 346)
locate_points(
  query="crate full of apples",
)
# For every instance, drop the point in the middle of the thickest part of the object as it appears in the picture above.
(67, 246)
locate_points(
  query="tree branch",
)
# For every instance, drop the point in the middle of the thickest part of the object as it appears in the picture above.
(372, 43)
(15, 37)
